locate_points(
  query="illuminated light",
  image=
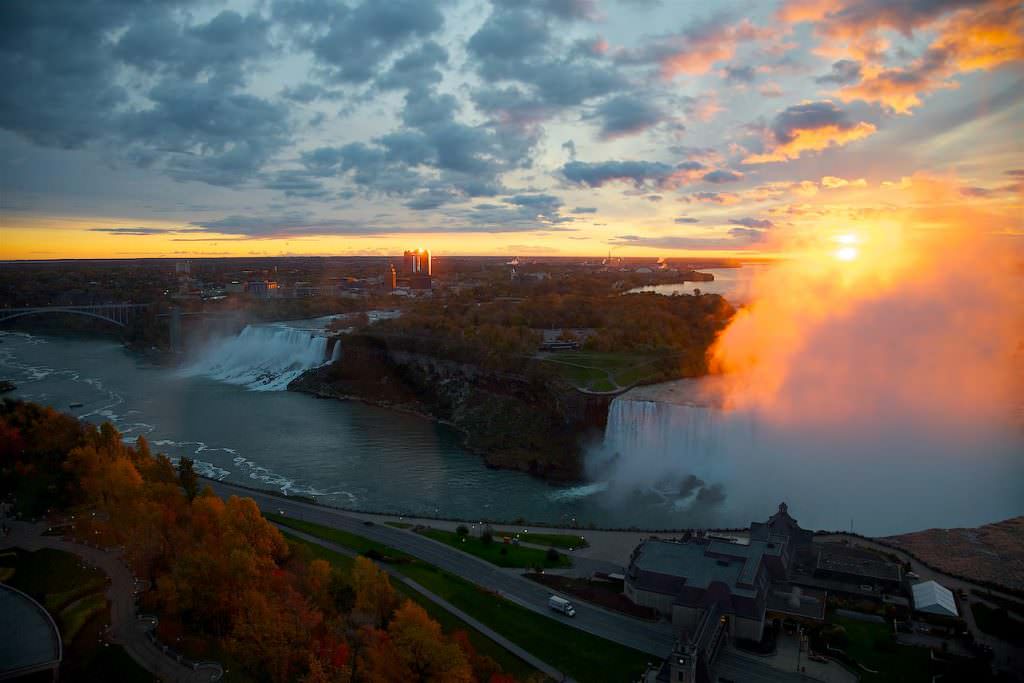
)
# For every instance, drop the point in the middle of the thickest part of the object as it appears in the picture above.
(848, 238)
(847, 253)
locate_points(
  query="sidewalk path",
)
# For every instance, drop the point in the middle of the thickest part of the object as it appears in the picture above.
(124, 629)
(536, 663)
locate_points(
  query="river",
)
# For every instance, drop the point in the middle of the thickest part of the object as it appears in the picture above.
(227, 408)
(731, 283)
(232, 416)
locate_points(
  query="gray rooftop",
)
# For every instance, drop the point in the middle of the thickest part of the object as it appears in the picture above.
(29, 639)
(690, 561)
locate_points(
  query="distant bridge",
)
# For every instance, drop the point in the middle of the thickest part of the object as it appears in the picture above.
(118, 314)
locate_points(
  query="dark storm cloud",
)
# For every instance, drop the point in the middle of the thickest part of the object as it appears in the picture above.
(350, 44)
(205, 133)
(417, 68)
(221, 47)
(740, 74)
(296, 183)
(434, 156)
(562, 9)
(719, 177)
(809, 116)
(58, 69)
(626, 115)
(61, 67)
(515, 44)
(748, 222)
(640, 173)
(844, 72)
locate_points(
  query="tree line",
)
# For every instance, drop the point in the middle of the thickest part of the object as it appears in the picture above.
(225, 579)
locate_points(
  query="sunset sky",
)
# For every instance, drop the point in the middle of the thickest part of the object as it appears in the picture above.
(563, 127)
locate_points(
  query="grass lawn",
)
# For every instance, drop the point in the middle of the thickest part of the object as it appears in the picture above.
(496, 552)
(997, 622)
(484, 645)
(598, 371)
(73, 617)
(49, 572)
(75, 595)
(567, 541)
(583, 656)
(871, 645)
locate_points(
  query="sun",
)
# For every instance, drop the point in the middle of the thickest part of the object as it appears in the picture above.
(847, 250)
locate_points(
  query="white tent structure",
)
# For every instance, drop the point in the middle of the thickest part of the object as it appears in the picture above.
(934, 598)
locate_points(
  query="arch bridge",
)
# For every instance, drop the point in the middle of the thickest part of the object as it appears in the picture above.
(118, 314)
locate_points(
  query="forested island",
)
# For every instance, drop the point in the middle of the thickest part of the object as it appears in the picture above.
(480, 366)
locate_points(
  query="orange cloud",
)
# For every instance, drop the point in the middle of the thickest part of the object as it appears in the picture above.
(978, 38)
(813, 140)
(696, 52)
(831, 182)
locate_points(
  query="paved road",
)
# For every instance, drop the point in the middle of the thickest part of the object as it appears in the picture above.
(652, 638)
(536, 663)
(124, 628)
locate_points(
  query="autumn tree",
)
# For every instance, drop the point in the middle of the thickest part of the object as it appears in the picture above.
(188, 478)
(415, 649)
(374, 597)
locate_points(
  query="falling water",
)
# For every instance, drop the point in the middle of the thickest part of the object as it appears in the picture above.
(263, 357)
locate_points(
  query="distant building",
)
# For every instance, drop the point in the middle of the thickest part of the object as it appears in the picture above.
(934, 598)
(390, 278)
(420, 282)
(714, 588)
(261, 288)
(183, 268)
(417, 262)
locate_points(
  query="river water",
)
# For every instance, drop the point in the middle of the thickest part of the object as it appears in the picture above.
(731, 283)
(666, 462)
(227, 410)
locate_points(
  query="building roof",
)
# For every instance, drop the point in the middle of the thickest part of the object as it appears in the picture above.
(934, 598)
(835, 557)
(29, 638)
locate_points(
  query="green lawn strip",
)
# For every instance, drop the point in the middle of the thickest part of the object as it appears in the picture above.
(357, 543)
(74, 616)
(997, 622)
(497, 552)
(872, 645)
(55, 602)
(449, 622)
(566, 541)
(47, 571)
(583, 656)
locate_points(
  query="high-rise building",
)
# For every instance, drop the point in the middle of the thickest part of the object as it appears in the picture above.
(417, 262)
(390, 277)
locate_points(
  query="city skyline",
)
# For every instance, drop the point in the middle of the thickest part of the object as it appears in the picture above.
(548, 127)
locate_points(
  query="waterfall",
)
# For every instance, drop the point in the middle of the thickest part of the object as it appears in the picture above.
(666, 431)
(671, 440)
(263, 357)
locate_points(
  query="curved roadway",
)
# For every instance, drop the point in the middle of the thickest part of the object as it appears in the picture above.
(652, 638)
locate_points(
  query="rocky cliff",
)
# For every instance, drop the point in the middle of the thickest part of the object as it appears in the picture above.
(529, 421)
